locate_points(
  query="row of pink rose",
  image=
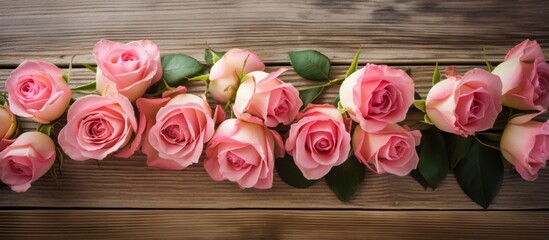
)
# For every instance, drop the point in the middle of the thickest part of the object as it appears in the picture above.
(176, 126)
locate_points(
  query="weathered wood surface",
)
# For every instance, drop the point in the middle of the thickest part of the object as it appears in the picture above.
(277, 224)
(126, 199)
(393, 31)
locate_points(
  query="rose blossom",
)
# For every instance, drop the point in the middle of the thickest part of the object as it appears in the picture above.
(128, 68)
(525, 144)
(525, 77)
(377, 95)
(38, 91)
(465, 105)
(98, 126)
(26, 160)
(177, 126)
(392, 149)
(244, 153)
(263, 98)
(223, 75)
(318, 140)
(8, 127)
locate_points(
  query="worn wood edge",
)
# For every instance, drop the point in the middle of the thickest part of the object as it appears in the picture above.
(129, 183)
(273, 224)
(404, 32)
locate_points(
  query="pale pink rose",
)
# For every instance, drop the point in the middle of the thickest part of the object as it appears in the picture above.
(318, 140)
(265, 99)
(465, 105)
(128, 69)
(38, 91)
(175, 129)
(525, 144)
(26, 160)
(223, 75)
(377, 95)
(98, 126)
(8, 126)
(525, 77)
(392, 149)
(244, 153)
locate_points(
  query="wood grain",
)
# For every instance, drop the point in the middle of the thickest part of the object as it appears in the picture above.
(122, 183)
(272, 224)
(392, 31)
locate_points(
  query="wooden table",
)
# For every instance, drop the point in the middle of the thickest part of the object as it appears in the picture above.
(125, 199)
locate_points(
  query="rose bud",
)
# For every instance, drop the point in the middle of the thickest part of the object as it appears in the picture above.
(8, 127)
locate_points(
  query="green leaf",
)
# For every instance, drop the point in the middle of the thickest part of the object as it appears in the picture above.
(417, 96)
(2, 100)
(433, 157)
(457, 147)
(354, 64)
(480, 174)
(44, 128)
(60, 157)
(308, 95)
(204, 77)
(86, 88)
(90, 67)
(419, 104)
(310, 64)
(436, 75)
(335, 102)
(178, 67)
(290, 173)
(345, 179)
(417, 176)
(211, 56)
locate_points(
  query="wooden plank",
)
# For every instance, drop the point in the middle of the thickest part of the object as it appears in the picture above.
(273, 224)
(396, 32)
(129, 183)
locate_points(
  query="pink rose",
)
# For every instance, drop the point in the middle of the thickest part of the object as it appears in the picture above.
(177, 126)
(525, 144)
(98, 126)
(223, 75)
(243, 152)
(377, 95)
(128, 69)
(8, 127)
(392, 149)
(265, 99)
(525, 77)
(38, 91)
(318, 140)
(465, 105)
(26, 160)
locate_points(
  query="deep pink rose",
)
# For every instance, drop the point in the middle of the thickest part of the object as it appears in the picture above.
(175, 129)
(465, 105)
(244, 153)
(98, 126)
(265, 99)
(392, 149)
(128, 69)
(223, 75)
(26, 160)
(318, 140)
(525, 77)
(8, 126)
(38, 91)
(377, 95)
(525, 144)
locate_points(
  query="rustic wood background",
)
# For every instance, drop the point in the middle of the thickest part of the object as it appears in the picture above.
(125, 199)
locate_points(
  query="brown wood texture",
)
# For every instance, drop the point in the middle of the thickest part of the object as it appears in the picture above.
(125, 199)
(392, 31)
(279, 224)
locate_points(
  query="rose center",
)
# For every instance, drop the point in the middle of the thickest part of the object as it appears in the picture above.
(281, 108)
(97, 128)
(398, 149)
(322, 145)
(29, 88)
(382, 100)
(237, 162)
(20, 168)
(128, 56)
(173, 134)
